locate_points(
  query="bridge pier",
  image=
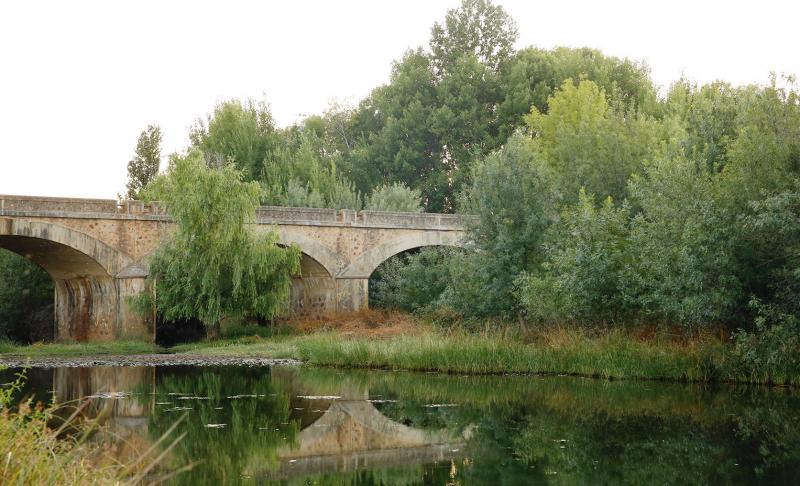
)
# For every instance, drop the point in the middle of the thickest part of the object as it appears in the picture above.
(97, 309)
(85, 308)
(352, 294)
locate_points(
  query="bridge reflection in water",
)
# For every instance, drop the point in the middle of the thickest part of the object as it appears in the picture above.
(283, 425)
(340, 431)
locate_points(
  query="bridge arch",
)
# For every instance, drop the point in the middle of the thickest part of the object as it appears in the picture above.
(320, 253)
(61, 251)
(363, 266)
(87, 294)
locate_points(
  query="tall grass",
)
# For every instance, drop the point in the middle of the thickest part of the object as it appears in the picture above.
(615, 354)
(39, 446)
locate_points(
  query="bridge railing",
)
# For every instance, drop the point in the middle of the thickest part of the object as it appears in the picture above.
(35, 203)
(74, 207)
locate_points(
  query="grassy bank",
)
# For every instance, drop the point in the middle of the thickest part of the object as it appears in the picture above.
(378, 340)
(77, 349)
(610, 355)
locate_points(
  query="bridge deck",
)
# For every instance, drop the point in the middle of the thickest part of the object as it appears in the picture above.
(35, 206)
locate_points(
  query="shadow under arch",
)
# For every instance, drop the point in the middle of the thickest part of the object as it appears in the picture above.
(321, 254)
(314, 290)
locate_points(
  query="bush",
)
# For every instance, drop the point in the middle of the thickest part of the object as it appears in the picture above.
(411, 282)
(773, 238)
(770, 353)
(512, 195)
(395, 197)
(682, 245)
(582, 276)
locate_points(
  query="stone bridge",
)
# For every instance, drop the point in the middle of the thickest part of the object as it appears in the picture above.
(97, 253)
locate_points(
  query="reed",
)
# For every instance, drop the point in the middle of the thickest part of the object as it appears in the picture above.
(612, 354)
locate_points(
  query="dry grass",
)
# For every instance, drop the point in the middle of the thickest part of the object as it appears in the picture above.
(56, 445)
(368, 323)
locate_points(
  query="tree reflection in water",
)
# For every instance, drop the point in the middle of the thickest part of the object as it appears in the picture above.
(406, 428)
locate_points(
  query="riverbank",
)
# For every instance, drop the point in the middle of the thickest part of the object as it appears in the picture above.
(11, 350)
(607, 355)
(399, 343)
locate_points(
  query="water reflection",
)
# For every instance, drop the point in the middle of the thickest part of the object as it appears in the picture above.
(295, 425)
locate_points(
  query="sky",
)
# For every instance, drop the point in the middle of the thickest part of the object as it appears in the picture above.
(80, 80)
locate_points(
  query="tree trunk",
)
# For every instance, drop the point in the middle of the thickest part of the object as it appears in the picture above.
(212, 331)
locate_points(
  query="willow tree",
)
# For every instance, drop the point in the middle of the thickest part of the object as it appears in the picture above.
(215, 264)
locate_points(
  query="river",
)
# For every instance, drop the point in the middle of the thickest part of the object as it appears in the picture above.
(301, 425)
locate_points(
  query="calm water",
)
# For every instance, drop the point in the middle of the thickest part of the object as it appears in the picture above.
(297, 425)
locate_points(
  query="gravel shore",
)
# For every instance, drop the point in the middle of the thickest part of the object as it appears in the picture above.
(138, 360)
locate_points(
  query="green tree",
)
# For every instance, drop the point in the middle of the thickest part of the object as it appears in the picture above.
(772, 234)
(143, 167)
(464, 123)
(299, 173)
(215, 265)
(533, 75)
(588, 145)
(477, 28)
(765, 155)
(242, 132)
(395, 197)
(709, 114)
(582, 277)
(398, 144)
(512, 196)
(412, 282)
(682, 245)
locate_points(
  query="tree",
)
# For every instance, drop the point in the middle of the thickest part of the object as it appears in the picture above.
(464, 122)
(582, 275)
(143, 168)
(709, 114)
(25, 289)
(512, 195)
(299, 173)
(399, 145)
(589, 145)
(683, 266)
(773, 237)
(242, 132)
(532, 75)
(215, 265)
(477, 29)
(395, 197)
(412, 282)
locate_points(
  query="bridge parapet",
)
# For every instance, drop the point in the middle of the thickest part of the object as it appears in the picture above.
(34, 206)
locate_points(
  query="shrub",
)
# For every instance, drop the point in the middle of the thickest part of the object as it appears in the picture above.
(771, 351)
(395, 197)
(582, 276)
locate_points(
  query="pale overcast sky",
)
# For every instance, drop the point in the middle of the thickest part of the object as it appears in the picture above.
(79, 80)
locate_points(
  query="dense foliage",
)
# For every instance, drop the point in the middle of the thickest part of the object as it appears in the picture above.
(395, 197)
(143, 167)
(215, 265)
(26, 291)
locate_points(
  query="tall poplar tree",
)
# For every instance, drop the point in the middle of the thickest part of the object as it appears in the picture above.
(143, 167)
